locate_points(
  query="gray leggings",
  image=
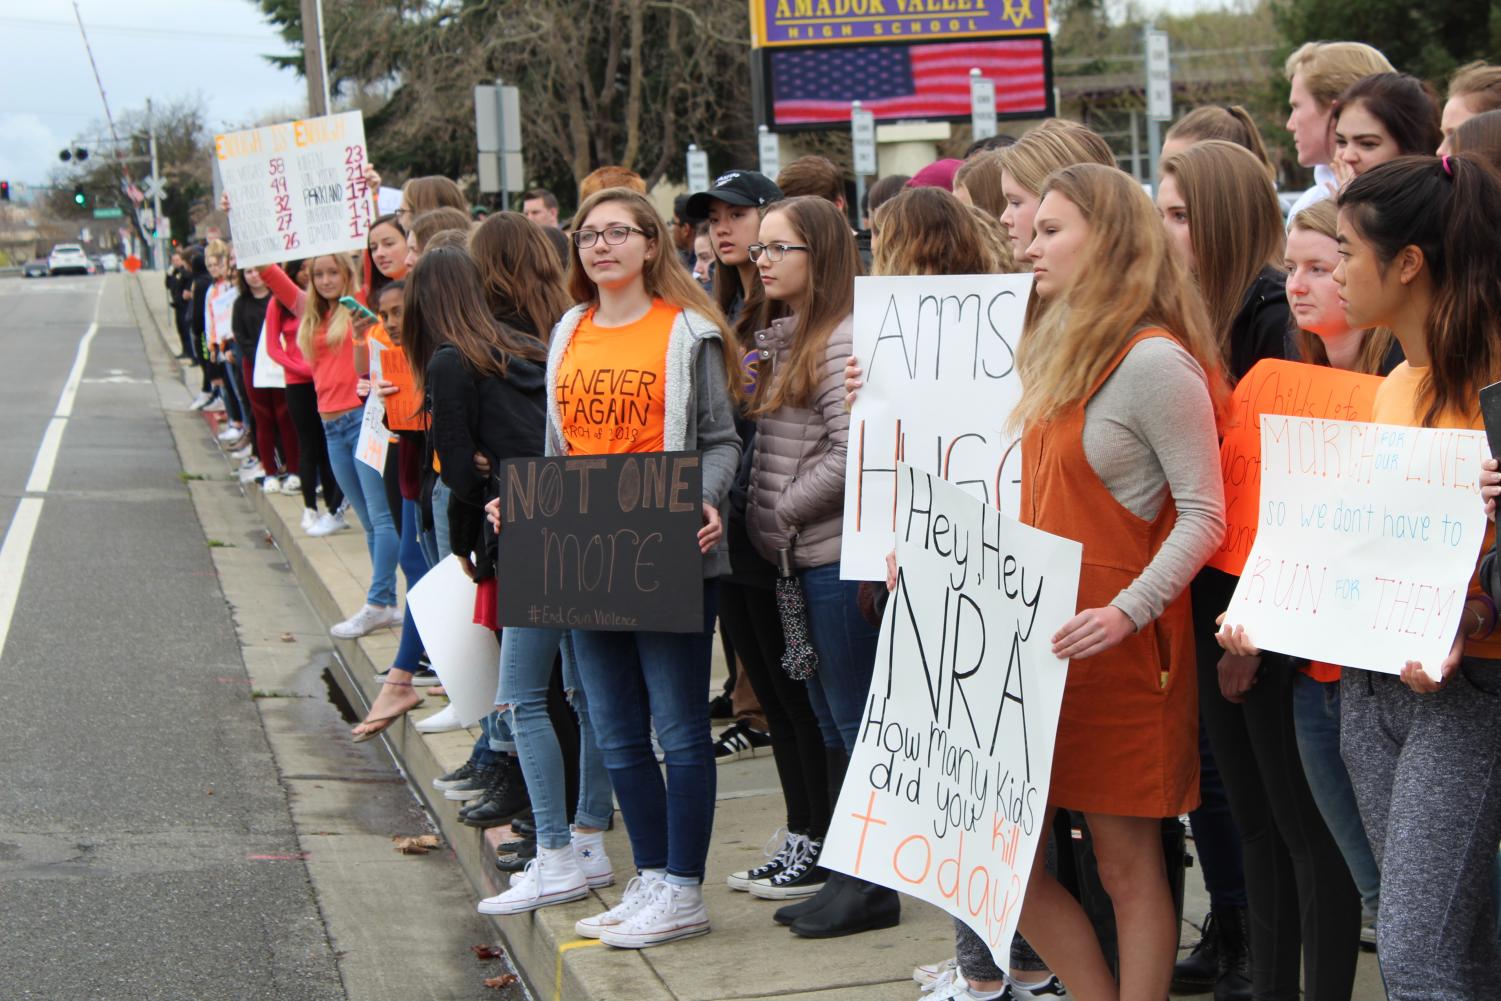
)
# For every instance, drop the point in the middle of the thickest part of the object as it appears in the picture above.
(975, 961)
(1426, 776)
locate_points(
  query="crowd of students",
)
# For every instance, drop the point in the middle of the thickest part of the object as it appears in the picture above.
(1327, 805)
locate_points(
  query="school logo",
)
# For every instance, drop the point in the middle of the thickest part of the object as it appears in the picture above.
(1018, 12)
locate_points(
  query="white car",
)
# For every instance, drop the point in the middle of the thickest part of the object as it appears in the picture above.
(109, 262)
(67, 257)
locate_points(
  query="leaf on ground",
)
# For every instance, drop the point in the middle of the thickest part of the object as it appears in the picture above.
(500, 982)
(288, 638)
(416, 845)
(483, 952)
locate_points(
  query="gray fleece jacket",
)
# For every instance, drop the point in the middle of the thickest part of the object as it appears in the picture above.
(698, 413)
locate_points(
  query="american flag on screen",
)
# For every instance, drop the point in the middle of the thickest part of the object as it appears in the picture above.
(905, 81)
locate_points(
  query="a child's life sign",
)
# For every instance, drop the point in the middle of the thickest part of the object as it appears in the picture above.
(1366, 541)
(947, 787)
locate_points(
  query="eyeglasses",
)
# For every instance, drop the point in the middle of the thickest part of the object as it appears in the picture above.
(774, 251)
(613, 236)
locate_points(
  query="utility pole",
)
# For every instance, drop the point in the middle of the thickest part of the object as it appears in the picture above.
(158, 254)
(314, 58)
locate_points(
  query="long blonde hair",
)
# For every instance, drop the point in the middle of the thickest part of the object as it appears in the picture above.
(1130, 279)
(319, 310)
(1051, 146)
(663, 274)
(1375, 343)
(1234, 222)
(927, 231)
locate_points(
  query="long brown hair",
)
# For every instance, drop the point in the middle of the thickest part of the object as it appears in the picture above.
(1231, 123)
(981, 177)
(1450, 210)
(520, 271)
(833, 263)
(1131, 280)
(663, 274)
(927, 231)
(445, 304)
(1234, 221)
(423, 194)
(1375, 343)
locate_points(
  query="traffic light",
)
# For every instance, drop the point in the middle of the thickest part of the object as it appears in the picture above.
(4, 191)
(80, 198)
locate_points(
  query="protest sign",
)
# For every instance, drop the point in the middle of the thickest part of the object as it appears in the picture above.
(947, 786)
(296, 189)
(602, 542)
(938, 353)
(405, 410)
(1366, 541)
(465, 656)
(1274, 386)
(266, 374)
(375, 439)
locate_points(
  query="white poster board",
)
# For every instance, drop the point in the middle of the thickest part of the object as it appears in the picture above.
(375, 439)
(1367, 537)
(938, 354)
(296, 189)
(267, 374)
(465, 656)
(947, 786)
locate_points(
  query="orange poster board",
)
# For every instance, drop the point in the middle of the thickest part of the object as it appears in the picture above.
(1274, 386)
(404, 410)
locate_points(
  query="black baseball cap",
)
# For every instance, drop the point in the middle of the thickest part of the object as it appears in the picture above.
(738, 187)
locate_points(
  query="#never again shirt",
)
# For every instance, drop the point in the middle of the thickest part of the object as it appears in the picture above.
(611, 382)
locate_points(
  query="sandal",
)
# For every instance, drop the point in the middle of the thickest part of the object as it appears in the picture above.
(384, 722)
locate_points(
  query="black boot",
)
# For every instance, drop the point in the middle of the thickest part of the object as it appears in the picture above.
(1234, 983)
(1197, 972)
(503, 801)
(857, 906)
(803, 908)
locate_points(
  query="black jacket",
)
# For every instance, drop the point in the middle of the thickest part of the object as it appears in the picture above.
(1263, 327)
(503, 418)
(247, 317)
(200, 284)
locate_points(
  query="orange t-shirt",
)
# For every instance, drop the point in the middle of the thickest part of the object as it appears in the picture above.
(611, 382)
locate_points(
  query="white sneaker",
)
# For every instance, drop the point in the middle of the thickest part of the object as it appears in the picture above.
(309, 518)
(292, 484)
(367, 620)
(214, 406)
(442, 721)
(327, 524)
(243, 452)
(930, 973)
(231, 432)
(670, 912)
(951, 987)
(270, 485)
(200, 401)
(637, 892)
(778, 852)
(553, 877)
(589, 849)
(252, 470)
(1051, 988)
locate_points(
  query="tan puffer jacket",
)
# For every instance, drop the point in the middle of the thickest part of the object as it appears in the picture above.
(797, 478)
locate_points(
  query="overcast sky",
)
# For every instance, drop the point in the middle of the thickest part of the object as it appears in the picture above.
(161, 49)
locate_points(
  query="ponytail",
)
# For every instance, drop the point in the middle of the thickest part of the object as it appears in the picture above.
(1449, 209)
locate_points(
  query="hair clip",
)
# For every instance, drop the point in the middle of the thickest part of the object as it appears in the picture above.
(1447, 168)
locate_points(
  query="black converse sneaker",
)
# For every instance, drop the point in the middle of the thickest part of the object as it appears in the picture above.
(802, 876)
(778, 852)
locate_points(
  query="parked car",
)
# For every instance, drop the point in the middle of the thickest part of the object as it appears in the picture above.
(68, 257)
(109, 262)
(35, 269)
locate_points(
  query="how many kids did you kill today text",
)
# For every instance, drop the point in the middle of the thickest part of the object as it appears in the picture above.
(1366, 542)
(947, 786)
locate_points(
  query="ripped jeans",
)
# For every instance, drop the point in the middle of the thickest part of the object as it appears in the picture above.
(526, 663)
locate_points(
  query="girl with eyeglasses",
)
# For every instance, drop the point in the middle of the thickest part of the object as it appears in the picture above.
(641, 312)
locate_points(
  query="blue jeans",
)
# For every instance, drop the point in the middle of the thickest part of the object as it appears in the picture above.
(435, 543)
(414, 566)
(366, 490)
(846, 648)
(1316, 719)
(634, 680)
(236, 380)
(526, 661)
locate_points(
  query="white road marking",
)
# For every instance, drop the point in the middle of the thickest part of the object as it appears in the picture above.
(16, 549)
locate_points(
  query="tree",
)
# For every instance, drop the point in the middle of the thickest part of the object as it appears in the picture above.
(1427, 40)
(602, 81)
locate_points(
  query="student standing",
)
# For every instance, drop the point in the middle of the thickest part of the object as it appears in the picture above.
(275, 438)
(1317, 73)
(640, 309)
(1384, 116)
(1474, 89)
(1025, 167)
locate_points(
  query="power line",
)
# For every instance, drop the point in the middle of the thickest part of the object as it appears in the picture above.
(127, 29)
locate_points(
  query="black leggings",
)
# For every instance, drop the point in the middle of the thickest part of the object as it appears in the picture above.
(750, 617)
(1300, 897)
(312, 449)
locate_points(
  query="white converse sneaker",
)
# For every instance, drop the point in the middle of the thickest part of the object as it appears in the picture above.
(636, 893)
(589, 849)
(367, 620)
(951, 987)
(443, 720)
(930, 973)
(778, 852)
(670, 912)
(271, 485)
(309, 518)
(553, 877)
(327, 524)
(232, 432)
(291, 484)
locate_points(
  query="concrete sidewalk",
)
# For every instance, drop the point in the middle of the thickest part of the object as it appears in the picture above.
(746, 956)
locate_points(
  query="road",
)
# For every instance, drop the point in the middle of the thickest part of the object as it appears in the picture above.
(150, 844)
